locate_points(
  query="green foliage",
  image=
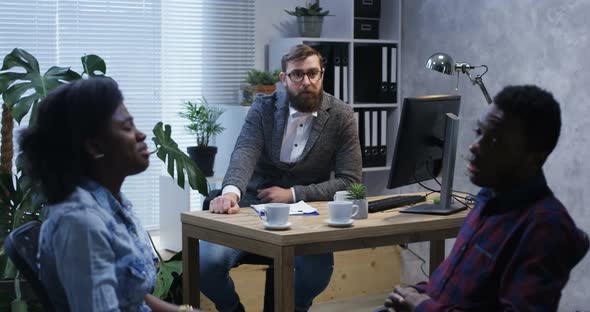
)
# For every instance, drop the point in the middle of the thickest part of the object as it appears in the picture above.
(168, 152)
(357, 191)
(261, 77)
(202, 120)
(22, 85)
(168, 278)
(310, 9)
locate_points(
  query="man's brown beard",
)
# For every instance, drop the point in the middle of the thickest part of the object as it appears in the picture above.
(306, 104)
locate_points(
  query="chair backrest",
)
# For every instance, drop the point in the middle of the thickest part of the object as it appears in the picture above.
(21, 246)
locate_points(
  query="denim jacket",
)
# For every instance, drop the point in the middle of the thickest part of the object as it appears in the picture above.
(93, 253)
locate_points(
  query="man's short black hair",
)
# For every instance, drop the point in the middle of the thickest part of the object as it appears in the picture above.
(538, 111)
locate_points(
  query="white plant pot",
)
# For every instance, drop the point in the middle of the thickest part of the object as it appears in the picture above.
(310, 26)
(363, 208)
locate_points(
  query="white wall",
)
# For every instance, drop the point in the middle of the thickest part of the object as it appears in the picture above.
(272, 22)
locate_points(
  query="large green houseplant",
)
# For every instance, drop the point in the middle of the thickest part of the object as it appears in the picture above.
(203, 123)
(22, 87)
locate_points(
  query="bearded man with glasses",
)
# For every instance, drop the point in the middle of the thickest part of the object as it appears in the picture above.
(291, 143)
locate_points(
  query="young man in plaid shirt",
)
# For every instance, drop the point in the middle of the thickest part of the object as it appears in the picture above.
(518, 244)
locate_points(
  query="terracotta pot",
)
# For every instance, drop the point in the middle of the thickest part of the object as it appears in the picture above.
(266, 89)
(247, 93)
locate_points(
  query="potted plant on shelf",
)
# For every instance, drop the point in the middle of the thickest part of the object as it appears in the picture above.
(310, 18)
(357, 193)
(203, 124)
(259, 81)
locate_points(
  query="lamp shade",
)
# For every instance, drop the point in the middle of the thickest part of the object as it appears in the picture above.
(441, 62)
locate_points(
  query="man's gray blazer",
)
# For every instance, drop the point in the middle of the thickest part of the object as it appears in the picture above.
(333, 145)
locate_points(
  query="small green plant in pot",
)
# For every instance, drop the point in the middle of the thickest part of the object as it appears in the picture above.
(259, 81)
(357, 193)
(310, 18)
(203, 123)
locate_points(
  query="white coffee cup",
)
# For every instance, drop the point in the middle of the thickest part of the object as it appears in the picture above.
(275, 214)
(341, 211)
(341, 196)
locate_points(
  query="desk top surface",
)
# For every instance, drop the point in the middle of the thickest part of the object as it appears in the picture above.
(313, 228)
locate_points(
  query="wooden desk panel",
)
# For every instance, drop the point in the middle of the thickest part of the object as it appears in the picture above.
(308, 235)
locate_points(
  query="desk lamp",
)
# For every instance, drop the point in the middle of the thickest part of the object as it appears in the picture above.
(443, 63)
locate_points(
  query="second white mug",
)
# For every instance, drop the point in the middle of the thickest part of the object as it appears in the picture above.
(341, 196)
(341, 211)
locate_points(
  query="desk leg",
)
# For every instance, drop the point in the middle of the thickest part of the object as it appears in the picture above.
(285, 279)
(437, 254)
(191, 291)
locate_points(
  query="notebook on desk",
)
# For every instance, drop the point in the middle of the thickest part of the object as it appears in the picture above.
(298, 208)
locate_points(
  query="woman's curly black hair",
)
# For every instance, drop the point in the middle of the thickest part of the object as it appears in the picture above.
(52, 146)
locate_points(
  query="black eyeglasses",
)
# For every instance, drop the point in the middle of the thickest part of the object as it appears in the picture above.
(297, 75)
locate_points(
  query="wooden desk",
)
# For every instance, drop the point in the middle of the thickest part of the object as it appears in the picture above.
(308, 235)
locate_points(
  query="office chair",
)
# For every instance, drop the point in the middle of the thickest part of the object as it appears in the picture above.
(255, 260)
(21, 246)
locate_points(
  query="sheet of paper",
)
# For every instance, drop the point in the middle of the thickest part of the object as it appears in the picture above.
(297, 208)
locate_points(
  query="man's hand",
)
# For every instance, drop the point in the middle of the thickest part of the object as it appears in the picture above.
(227, 203)
(275, 194)
(404, 299)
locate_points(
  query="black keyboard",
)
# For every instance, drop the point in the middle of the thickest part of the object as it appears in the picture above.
(394, 202)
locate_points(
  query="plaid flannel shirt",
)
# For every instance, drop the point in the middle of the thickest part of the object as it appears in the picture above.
(514, 251)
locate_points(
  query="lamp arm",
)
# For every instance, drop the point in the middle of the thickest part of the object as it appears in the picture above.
(478, 81)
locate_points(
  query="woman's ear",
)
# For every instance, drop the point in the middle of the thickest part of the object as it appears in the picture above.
(93, 149)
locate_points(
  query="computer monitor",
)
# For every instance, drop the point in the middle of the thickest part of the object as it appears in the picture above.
(426, 144)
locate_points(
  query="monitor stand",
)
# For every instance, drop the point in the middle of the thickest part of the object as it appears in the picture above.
(445, 207)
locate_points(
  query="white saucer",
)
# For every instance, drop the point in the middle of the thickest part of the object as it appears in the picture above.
(285, 226)
(340, 224)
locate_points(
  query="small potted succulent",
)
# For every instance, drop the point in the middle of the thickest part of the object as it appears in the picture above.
(310, 18)
(258, 81)
(357, 193)
(203, 124)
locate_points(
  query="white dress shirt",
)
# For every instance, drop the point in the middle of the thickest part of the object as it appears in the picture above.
(294, 140)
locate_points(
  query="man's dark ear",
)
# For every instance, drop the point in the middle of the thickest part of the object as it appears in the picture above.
(537, 159)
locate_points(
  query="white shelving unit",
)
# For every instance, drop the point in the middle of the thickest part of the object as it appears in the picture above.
(339, 28)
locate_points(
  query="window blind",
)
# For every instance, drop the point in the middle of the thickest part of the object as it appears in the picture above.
(207, 48)
(126, 34)
(160, 52)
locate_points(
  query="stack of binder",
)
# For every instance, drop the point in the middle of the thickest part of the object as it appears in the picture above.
(375, 74)
(366, 19)
(336, 75)
(372, 129)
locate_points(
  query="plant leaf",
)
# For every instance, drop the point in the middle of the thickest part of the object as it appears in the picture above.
(168, 152)
(23, 106)
(93, 64)
(165, 277)
(16, 86)
(20, 58)
(61, 73)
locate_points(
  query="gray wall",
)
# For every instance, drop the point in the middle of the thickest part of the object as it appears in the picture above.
(543, 42)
